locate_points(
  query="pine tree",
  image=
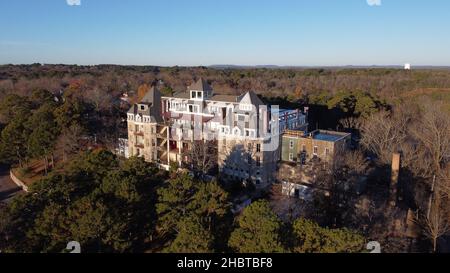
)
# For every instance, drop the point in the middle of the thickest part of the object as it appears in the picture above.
(192, 237)
(309, 237)
(258, 231)
(173, 201)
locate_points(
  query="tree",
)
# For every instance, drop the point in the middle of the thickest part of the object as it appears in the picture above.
(132, 190)
(106, 206)
(355, 104)
(192, 237)
(13, 141)
(4, 220)
(42, 96)
(71, 112)
(383, 133)
(433, 134)
(68, 141)
(14, 112)
(210, 202)
(309, 237)
(100, 227)
(44, 133)
(258, 230)
(101, 100)
(173, 200)
(12, 106)
(201, 157)
(436, 221)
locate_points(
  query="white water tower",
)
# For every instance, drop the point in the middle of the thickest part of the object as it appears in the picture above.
(407, 66)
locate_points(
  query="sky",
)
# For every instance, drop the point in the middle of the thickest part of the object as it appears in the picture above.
(240, 32)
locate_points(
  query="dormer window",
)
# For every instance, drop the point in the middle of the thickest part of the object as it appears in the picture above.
(142, 107)
(196, 95)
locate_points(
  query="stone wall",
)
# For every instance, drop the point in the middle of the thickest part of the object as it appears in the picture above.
(17, 181)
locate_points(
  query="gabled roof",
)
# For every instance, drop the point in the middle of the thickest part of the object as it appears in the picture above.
(250, 98)
(201, 85)
(151, 96)
(181, 95)
(151, 103)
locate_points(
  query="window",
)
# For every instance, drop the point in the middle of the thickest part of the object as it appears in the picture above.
(304, 148)
(258, 161)
(291, 157)
(316, 150)
(258, 148)
(327, 152)
(291, 144)
(196, 95)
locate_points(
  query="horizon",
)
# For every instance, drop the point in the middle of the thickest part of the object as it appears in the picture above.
(359, 33)
(237, 66)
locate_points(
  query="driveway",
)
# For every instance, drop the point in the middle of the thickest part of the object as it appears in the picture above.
(7, 188)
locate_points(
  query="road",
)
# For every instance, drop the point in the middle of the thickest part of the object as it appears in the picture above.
(7, 188)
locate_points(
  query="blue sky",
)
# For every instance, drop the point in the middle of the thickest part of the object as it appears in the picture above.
(245, 32)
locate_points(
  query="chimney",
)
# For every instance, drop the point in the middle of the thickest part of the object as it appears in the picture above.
(394, 179)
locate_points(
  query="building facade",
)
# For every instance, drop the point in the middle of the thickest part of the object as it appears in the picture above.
(245, 131)
(300, 146)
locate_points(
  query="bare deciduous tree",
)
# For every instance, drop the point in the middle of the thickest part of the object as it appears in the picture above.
(201, 156)
(383, 134)
(435, 222)
(68, 141)
(433, 133)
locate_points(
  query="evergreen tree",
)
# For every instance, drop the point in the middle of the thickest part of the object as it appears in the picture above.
(210, 202)
(258, 231)
(192, 237)
(309, 237)
(173, 201)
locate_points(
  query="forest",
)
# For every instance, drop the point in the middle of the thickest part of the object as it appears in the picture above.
(66, 120)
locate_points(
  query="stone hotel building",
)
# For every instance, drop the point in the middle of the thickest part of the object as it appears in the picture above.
(245, 131)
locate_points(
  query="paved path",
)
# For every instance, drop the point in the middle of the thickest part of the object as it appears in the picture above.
(7, 188)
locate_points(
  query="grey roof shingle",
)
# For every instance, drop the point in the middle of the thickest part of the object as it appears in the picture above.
(150, 96)
(201, 85)
(250, 98)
